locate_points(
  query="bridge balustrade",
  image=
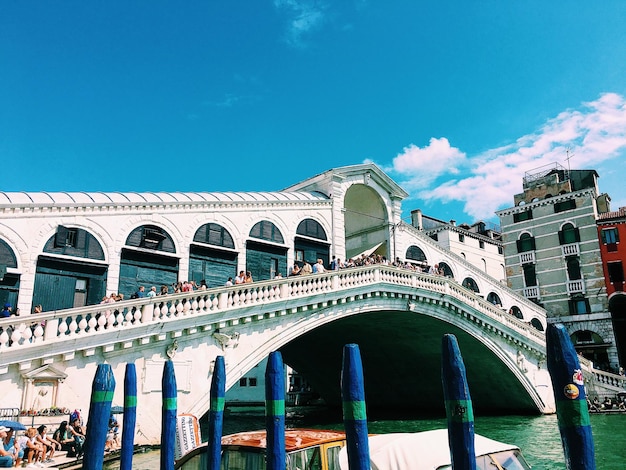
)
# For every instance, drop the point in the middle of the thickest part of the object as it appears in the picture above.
(101, 322)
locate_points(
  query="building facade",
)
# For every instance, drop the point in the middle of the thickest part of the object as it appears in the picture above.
(612, 237)
(552, 256)
(479, 244)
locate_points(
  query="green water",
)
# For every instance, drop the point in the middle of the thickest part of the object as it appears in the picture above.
(537, 436)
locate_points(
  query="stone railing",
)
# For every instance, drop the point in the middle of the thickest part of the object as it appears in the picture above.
(101, 324)
(608, 378)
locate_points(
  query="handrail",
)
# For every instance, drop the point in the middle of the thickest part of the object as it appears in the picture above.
(107, 320)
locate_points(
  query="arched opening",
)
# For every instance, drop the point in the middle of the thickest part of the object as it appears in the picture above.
(266, 255)
(9, 282)
(590, 345)
(212, 256)
(415, 255)
(470, 284)
(535, 323)
(148, 259)
(516, 312)
(617, 307)
(311, 243)
(445, 268)
(71, 271)
(366, 223)
(494, 299)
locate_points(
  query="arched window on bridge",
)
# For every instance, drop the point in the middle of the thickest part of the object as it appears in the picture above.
(470, 284)
(212, 255)
(447, 271)
(264, 257)
(9, 282)
(71, 271)
(416, 255)
(494, 299)
(516, 312)
(535, 323)
(525, 243)
(148, 260)
(311, 242)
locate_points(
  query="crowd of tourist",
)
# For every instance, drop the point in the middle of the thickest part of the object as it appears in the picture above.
(36, 447)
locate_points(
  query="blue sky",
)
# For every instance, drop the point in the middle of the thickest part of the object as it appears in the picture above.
(455, 99)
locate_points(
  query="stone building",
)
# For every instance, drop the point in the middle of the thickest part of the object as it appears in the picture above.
(552, 255)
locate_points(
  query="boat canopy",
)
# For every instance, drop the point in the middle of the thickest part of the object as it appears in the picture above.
(420, 450)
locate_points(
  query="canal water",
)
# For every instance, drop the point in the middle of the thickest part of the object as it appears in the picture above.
(537, 436)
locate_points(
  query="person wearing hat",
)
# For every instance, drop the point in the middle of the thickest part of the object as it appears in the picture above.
(6, 457)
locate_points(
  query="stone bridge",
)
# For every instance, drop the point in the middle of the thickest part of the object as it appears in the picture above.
(397, 317)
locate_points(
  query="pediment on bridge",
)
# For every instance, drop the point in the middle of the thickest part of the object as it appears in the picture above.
(368, 171)
(45, 372)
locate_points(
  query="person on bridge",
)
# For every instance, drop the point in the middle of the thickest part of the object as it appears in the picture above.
(318, 267)
(248, 278)
(152, 292)
(241, 278)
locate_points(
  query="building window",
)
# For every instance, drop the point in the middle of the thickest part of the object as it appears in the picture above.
(610, 235)
(616, 272)
(573, 268)
(564, 206)
(569, 234)
(578, 305)
(481, 244)
(461, 238)
(525, 243)
(522, 216)
(252, 381)
(530, 275)
(500, 250)
(243, 382)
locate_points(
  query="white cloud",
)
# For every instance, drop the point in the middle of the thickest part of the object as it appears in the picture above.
(593, 134)
(424, 165)
(303, 16)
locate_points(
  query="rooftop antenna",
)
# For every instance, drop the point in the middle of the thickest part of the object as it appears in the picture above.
(569, 155)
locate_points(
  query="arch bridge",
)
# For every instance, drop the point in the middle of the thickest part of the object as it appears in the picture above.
(397, 316)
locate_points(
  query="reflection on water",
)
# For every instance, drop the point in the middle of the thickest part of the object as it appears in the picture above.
(537, 436)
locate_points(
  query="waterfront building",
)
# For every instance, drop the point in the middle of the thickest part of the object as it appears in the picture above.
(479, 243)
(552, 255)
(612, 237)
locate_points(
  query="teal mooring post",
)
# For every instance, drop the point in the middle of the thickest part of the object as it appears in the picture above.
(275, 412)
(354, 414)
(571, 399)
(216, 414)
(459, 411)
(102, 391)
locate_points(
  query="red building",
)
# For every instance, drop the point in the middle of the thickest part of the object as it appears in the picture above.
(612, 235)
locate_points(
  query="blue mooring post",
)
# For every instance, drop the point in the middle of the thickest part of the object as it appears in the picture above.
(275, 412)
(129, 418)
(354, 415)
(216, 414)
(98, 421)
(458, 404)
(571, 399)
(168, 417)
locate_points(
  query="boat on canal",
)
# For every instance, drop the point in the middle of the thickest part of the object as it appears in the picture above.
(325, 450)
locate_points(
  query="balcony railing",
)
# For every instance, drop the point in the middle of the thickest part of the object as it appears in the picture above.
(571, 249)
(576, 287)
(527, 257)
(531, 292)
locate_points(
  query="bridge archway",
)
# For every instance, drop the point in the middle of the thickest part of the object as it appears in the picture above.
(71, 271)
(366, 222)
(9, 283)
(148, 259)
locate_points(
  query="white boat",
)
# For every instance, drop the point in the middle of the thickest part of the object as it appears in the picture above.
(325, 450)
